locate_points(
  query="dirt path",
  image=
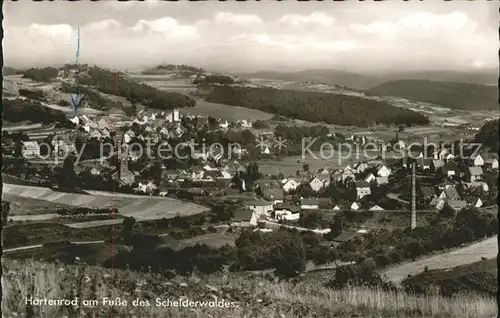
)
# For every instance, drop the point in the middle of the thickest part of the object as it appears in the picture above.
(462, 256)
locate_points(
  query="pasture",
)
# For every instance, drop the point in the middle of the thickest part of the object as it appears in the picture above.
(140, 207)
(226, 112)
(26, 206)
(210, 239)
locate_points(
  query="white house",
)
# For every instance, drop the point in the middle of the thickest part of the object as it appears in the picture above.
(362, 189)
(316, 184)
(449, 194)
(265, 150)
(477, 161)
(382, 180)
(289, 185)
(474, 174)
(370, 178)
(376, 208)
(476, 202)
(245, 123)
(491, 163)
(261, 208)
(224, 124)
(383, 171)
(354, 206)
(245, 217)
(173, 116)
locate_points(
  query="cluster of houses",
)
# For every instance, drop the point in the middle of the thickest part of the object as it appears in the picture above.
(275, 204)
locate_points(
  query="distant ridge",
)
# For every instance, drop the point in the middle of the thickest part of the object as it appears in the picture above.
(370, 80)
(449, 94)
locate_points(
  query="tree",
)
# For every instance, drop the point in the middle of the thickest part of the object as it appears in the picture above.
(67, 176)
(305, 166)
(447, 211)
(253, 173)
(127, 229)
(414, 249)
(289, 255)
(312, 219)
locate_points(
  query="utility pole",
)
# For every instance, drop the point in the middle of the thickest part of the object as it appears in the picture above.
(413, 198)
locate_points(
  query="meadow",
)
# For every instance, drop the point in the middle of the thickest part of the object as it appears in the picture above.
(255, 296)
(226, 112)
(140, 207)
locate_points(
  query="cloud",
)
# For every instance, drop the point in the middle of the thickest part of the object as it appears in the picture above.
(103, 25)
(224, 18)
(124, 5)
(418, 24)
(167, 27)
(315, 18)
(56, 32)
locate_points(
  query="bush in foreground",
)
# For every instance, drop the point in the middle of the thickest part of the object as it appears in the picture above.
(253, 296)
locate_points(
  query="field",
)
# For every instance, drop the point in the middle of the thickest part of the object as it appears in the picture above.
(24, 206)
(140, 207)
(39, 233)
(251, 296)
(226, 112)
(462, 256)
(211, 239)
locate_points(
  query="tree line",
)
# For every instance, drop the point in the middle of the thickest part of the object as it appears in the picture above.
(317, 107)
(118, 84)
(17, 110)
(488, 135)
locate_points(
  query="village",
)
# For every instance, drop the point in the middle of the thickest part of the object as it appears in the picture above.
(444, 180)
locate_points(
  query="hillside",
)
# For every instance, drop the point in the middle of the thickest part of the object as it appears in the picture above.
(488, 135)
(185, 70)
(449, 94)
(245, 295)
(316, 107)
(479, 277)
(329, 77)
(99, 80)
(366, 81)
(23, 110)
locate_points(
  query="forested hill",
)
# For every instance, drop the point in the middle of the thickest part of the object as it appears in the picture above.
(317, 107)
(448, 94)
(488, 135)
(112, 83)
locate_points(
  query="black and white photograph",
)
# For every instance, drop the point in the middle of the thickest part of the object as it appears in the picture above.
(227, 159)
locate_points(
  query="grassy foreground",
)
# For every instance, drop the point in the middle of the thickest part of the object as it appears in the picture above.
(255, 296)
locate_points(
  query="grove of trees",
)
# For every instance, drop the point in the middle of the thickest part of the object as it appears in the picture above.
(17, 110)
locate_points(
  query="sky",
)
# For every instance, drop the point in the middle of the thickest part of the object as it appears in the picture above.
(251, 36)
